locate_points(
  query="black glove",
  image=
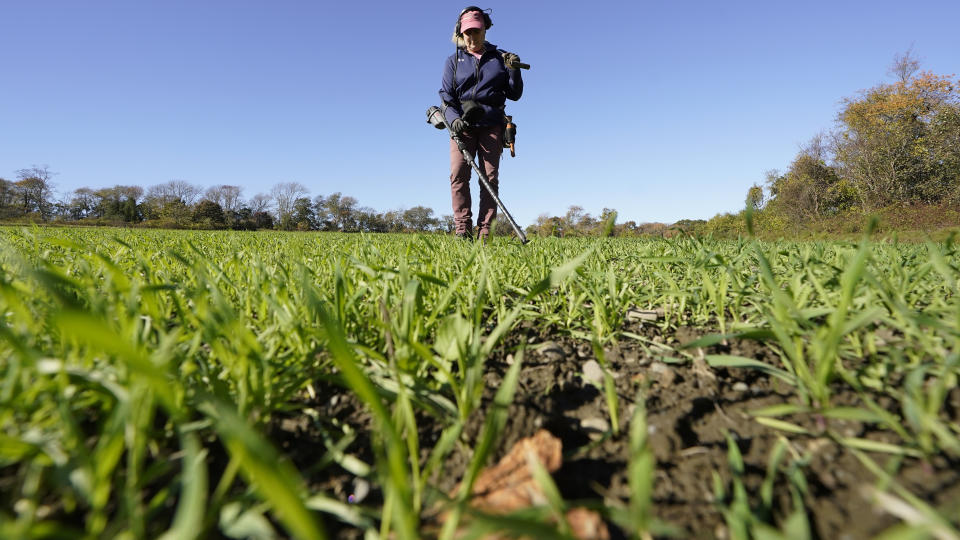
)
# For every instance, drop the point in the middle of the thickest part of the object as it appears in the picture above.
(458, 126)
(511, 61)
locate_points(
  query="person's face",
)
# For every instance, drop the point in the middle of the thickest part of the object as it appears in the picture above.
(473, 38)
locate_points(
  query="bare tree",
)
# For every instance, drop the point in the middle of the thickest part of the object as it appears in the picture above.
(285, 194)
(186, 192)
(35, 188)
(904, 65)
(172, 200)
(82, 203)
(573, 219)
(228, 197)
(447, 223)
(175, 190)
(41, 172)
(771, 178)
(131, 193)
(260, 202)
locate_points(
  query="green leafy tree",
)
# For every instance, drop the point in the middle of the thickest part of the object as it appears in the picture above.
(304, 215)
(339, 212)
(755, 198)
(607, 224)
(811, 188)
(370, 220)
(177, 213)
(8, 192)
(393, 220)
(208, 214)
(118, 203)
(262, 220)
(896, 142)
(547, 225)
(420, 219)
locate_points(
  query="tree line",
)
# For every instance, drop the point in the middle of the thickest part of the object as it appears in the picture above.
(577, 222)
(180, 204)
(895, 144)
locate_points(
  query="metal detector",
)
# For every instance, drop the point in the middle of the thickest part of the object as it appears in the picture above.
(435, 118)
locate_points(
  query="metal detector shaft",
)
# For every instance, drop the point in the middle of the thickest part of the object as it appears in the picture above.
(486, 185)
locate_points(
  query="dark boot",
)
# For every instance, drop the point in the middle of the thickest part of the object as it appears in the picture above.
(465, 235)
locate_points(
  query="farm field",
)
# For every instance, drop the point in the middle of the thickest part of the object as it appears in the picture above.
(183, 384)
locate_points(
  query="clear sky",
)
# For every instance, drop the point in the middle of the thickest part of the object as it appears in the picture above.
(663, 111)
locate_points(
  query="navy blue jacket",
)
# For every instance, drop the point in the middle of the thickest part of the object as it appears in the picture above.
(486, 81)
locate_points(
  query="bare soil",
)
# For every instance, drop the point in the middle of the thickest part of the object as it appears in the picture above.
(690, 410)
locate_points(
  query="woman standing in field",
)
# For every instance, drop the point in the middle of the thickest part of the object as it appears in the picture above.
(477, 80)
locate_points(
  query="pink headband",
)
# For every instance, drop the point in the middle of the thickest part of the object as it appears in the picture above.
(471, 19)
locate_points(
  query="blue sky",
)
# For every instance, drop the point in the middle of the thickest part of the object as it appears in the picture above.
(662, 111)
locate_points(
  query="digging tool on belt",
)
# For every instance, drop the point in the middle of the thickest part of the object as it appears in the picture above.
(510, 135)
(435, 118)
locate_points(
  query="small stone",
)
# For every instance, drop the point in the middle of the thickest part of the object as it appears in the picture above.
(551, 350)
(509, 359)
(293, 425)
(644, 314)
(595, 427)
(740, 386)
(663, 374)
(592, 372)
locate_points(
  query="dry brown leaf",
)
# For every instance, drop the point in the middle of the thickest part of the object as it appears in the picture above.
(587, 525)
(509, 485)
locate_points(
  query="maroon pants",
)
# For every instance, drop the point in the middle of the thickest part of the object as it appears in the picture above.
(485, 144)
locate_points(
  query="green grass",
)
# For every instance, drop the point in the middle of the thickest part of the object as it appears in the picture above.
(128, 358)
